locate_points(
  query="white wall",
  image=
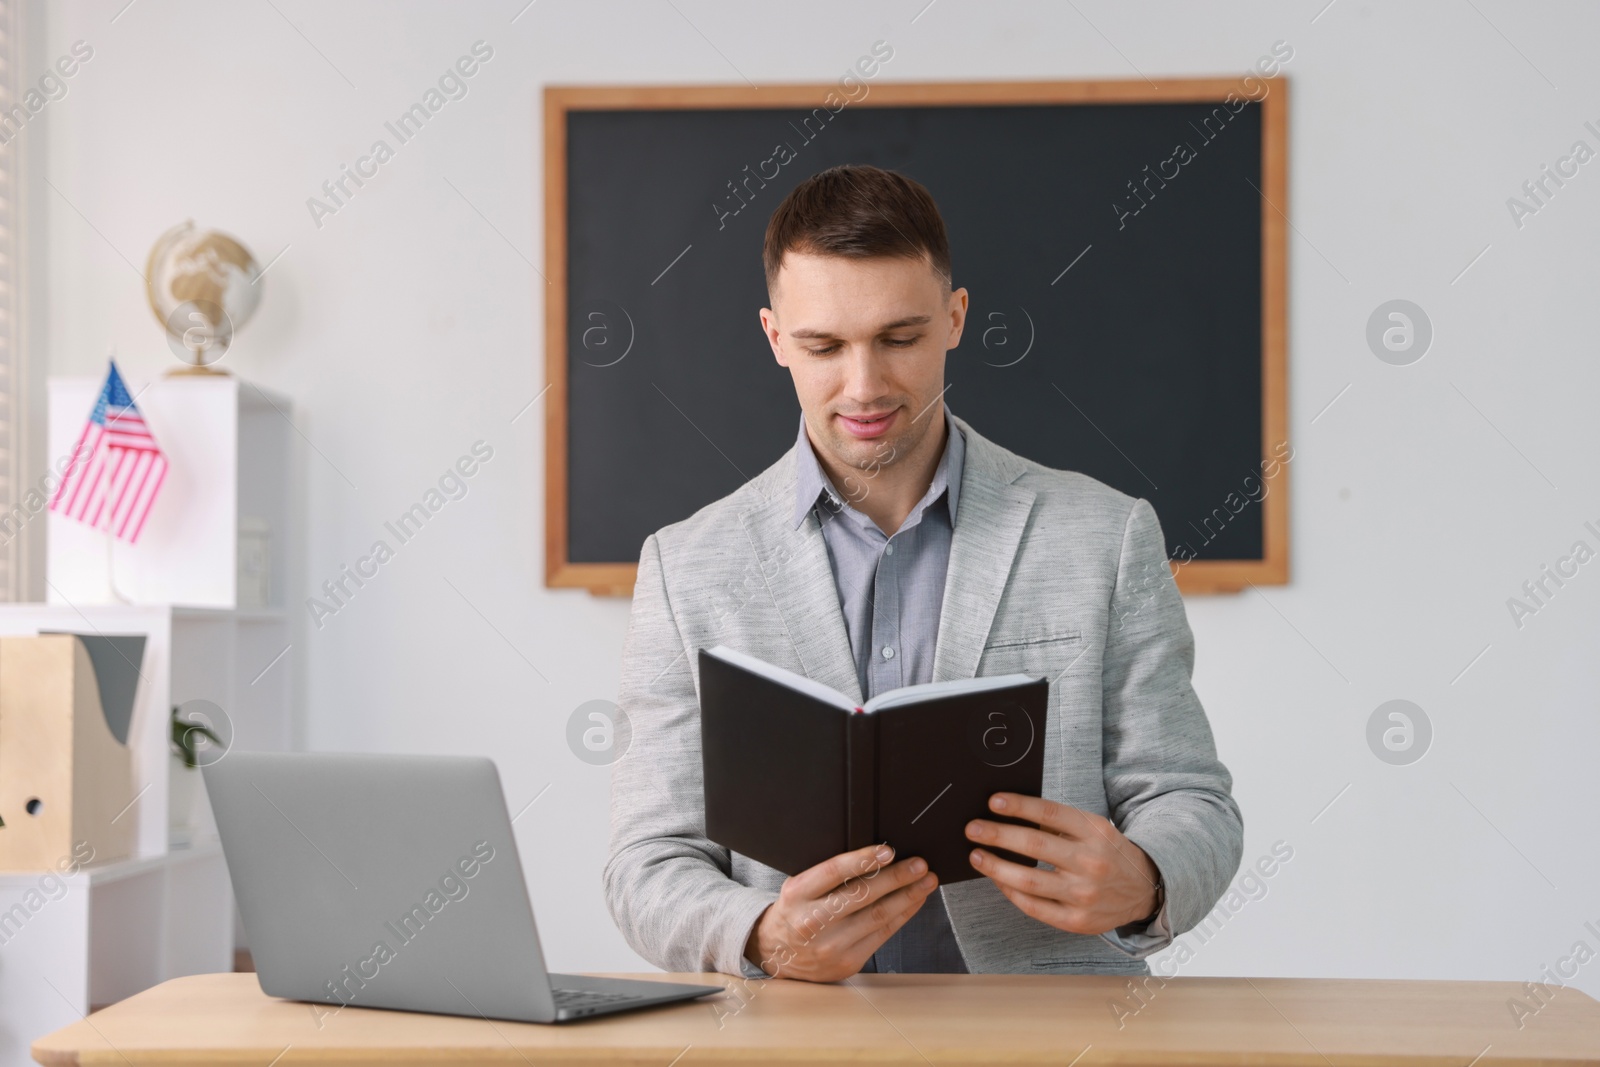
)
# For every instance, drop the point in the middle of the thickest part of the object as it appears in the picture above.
(409, 326)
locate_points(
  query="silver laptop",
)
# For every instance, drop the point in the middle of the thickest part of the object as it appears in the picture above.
(384, 881)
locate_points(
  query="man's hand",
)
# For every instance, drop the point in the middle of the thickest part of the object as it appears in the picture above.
(829, 920)
(1101, 879)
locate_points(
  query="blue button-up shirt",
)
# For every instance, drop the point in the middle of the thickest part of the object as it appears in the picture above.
(891, 589)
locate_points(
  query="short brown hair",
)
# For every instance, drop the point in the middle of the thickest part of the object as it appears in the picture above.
(858, 211)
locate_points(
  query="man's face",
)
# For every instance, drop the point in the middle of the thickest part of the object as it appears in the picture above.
(865, 338)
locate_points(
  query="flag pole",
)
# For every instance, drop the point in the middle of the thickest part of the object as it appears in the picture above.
(111, 540)
(111, 568)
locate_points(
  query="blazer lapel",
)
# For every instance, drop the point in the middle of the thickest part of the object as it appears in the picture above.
(992, 516)
(795, 564)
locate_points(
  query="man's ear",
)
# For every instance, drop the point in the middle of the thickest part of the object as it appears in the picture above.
(958, 317)
(769, 326)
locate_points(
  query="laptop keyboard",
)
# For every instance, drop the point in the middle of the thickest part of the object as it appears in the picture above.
(581, 999)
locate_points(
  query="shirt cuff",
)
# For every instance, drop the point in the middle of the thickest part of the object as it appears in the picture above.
(754, 906)
(1141, 939)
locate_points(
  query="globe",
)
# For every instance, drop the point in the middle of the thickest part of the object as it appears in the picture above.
(203, 285)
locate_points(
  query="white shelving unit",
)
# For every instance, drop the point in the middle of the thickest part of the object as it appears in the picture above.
(72, 943)
(107, 932)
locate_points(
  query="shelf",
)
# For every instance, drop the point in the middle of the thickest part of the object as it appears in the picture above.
(125, 925)
(267, 614)
(103, 873)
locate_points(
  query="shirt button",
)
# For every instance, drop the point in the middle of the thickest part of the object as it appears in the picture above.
(888, 652)
(888, 550)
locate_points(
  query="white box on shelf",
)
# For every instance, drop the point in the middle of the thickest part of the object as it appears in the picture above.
(226, 443)
(255, 562)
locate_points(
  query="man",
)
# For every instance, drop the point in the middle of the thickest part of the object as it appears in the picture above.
(892, 545)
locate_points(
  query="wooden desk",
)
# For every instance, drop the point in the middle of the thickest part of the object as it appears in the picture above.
(882, 1019)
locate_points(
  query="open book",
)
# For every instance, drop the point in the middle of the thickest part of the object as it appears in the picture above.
(796, 772)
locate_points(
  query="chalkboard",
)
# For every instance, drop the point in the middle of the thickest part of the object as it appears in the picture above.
(1126, 297)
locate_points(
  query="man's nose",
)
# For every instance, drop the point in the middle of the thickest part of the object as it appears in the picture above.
(865, 380)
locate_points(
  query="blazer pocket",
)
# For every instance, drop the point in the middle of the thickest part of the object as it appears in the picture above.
(1037, 641)
(1043, 654)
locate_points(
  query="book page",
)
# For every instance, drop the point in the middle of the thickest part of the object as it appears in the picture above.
(913, 694)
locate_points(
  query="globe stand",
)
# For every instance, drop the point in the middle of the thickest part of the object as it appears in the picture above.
(199, 368)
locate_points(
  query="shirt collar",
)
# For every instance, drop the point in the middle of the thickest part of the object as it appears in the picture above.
(811, 483)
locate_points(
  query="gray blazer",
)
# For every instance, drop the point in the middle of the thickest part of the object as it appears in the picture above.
(1051, 572)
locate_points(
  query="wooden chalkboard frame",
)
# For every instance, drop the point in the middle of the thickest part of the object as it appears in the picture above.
(1195, 576)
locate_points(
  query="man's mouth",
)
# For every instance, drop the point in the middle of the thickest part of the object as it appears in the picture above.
(868, 424)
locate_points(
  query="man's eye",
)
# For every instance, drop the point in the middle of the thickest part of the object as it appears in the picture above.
(892, 342)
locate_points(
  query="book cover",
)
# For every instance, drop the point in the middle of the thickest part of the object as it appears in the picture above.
(796, 773)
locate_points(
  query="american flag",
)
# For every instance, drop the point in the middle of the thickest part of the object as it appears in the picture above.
(116, 469)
